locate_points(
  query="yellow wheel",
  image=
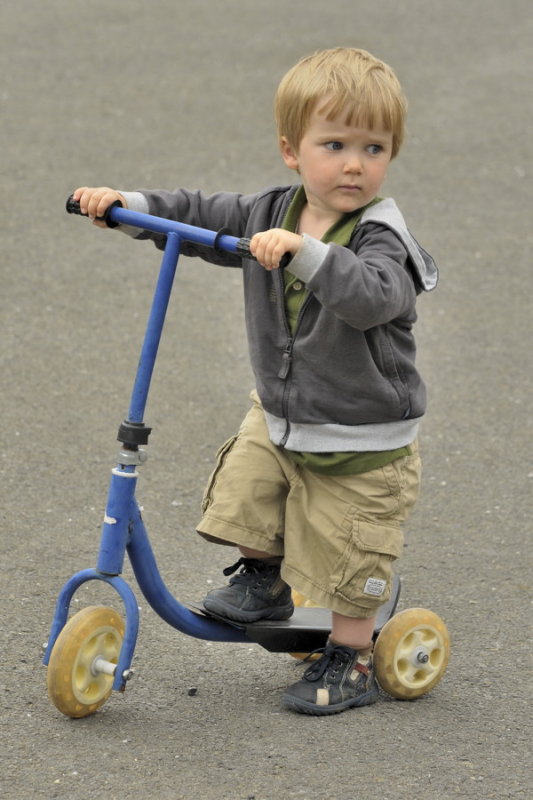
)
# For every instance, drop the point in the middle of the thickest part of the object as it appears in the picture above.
(411, 653)
(76, 683)
(301, 601)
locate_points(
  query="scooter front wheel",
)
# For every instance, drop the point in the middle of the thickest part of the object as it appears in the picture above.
(411, 653)
(89, 643)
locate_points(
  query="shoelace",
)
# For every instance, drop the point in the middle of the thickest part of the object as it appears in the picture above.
(251, 567)
(333, 658)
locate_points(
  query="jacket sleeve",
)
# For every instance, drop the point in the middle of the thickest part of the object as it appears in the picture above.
(366, 284)
(223, 210)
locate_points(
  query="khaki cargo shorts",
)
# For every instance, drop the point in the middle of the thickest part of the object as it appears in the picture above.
(338, 535)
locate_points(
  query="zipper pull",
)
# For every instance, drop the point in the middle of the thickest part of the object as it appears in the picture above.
(286, 360)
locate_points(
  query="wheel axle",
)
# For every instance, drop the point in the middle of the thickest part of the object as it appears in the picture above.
(100, 665)
(422, 657)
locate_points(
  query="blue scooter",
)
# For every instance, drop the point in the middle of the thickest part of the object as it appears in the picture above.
(90, 655)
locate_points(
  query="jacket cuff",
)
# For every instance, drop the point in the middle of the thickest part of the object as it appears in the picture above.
(135, 202)
(308, 258)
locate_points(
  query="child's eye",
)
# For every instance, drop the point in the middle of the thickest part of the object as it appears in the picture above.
(334, 145)
(374, 149)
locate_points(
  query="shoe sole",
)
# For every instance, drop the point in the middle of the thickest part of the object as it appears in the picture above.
(305, 707)
(228, 612)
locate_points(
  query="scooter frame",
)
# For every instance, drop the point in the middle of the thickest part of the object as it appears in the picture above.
(123, 529)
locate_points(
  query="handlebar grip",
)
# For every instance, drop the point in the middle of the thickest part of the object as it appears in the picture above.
(73, 207)
(243, 249)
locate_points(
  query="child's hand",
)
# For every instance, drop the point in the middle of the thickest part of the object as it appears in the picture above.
(95, 202)
(269, 247)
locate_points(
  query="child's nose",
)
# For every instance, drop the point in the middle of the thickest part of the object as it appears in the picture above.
(353, 163)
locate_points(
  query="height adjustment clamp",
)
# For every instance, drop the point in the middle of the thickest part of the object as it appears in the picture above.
(133, 434)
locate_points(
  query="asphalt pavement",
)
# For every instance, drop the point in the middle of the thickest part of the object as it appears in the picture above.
(179, 93)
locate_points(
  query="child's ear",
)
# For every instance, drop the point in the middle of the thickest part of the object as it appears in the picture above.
(288, 153)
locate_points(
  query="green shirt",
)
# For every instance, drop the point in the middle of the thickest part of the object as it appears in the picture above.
(295, 293)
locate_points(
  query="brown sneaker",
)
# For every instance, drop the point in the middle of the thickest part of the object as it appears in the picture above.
(337, 681)
(256, 592)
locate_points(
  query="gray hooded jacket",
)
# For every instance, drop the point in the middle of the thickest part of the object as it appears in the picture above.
(346, 379)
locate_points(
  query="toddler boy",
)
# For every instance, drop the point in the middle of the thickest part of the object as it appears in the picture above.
(325, 467)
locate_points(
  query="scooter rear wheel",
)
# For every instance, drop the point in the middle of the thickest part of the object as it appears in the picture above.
(75, 685)
(411, 653)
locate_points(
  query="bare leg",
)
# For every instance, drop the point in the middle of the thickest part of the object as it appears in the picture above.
(356, 633)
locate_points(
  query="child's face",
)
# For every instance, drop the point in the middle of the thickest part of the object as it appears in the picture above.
(341, 167)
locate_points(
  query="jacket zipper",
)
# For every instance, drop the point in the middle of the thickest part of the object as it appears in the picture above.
(286, 359)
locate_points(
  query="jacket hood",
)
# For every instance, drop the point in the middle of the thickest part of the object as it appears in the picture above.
(387, 213)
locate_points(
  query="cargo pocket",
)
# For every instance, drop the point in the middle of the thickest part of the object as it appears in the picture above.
(367, 578)
(219, 463)
(378, 538)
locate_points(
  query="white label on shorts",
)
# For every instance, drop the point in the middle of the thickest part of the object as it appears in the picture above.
(375, 586)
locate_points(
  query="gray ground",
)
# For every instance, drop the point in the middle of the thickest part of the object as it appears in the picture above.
(170, 93)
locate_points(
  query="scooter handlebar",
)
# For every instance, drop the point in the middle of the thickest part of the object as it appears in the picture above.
(116, 215)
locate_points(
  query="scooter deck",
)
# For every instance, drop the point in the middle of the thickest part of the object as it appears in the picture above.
(307, 629)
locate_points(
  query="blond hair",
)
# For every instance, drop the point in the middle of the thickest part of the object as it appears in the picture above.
(349, 81)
